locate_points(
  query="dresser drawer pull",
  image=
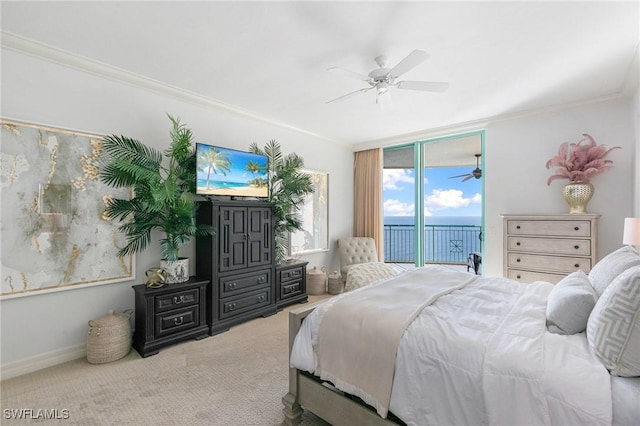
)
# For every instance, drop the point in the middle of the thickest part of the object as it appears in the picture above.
(233, 286)
(178, 321)
(231, 306)
(518, 243)
(517, 226)
(518, 276)
(518, 260)
(262, 279)
(178, 300)
(576, 247)
(577, 265)
(577, 228)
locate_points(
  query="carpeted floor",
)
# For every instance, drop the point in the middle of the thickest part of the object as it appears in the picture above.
(234, 378)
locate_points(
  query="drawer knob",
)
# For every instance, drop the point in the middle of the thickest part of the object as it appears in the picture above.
(178, 300)
(576, 247)
(178, 321)
(577, 265)
(233, 286)
(518, 243)
(518, 276)
(518, 260)
(517, 226)
(576, 228)
(231, 306)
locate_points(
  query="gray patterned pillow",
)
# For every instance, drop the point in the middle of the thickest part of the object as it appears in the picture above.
(612, 265)
(613, 330)
(570, 303)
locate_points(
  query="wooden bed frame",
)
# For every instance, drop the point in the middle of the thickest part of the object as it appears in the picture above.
(321, 398)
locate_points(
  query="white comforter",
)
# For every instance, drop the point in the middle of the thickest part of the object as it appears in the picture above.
(482, 355)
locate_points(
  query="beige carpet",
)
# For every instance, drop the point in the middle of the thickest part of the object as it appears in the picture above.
(235, 378)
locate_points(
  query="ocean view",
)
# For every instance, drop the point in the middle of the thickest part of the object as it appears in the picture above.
(448, 239)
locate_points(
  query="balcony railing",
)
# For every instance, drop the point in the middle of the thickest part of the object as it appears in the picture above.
(445, 244)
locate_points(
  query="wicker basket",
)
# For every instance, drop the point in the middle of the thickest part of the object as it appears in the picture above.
(109, 337)
(335, 283)
(316, 281)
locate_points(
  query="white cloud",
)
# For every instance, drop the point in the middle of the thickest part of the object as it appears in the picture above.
(477, 199)
(398, 208)
(440, 199)
(392, 177)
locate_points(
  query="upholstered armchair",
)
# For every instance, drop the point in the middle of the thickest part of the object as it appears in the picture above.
(355, 250)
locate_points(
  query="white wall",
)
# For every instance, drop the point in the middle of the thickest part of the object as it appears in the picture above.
(515, 155)
(39, 330)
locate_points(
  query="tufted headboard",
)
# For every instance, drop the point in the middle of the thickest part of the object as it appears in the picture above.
(356, 250)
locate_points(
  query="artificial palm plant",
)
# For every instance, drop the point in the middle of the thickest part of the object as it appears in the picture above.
(288, 187)
(163, 195)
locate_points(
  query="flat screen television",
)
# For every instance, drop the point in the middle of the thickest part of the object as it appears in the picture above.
(224, 171)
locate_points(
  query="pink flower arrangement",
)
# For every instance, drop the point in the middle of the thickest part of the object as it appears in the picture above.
(580, 162)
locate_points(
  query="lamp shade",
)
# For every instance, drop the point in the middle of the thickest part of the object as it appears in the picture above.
(631, 234)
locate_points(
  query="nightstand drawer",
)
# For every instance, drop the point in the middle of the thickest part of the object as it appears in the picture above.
(241, 304)
(552, 228)
(291, 289)
(549, 263)
(550, 245)
(167, 302)
(178, 320)
(237, 284)
(291, 274)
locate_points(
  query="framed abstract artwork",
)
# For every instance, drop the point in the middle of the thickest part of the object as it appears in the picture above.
(314, 235)
(54, 234)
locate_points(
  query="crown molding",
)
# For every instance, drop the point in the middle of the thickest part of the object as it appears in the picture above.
(476, 125)
(62, 57)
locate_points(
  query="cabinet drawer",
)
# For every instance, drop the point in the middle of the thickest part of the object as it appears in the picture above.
(237, 284)
(290, 289)
(549, 263)
(245, 303)
(291, 274)
(167, 302)
(529, 277)
(178, 320)
(553, 228)
(550, 245)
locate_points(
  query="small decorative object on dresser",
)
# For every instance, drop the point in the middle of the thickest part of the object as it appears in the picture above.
(169, 314)
(291, 283)
(548, 247)
(579, 162)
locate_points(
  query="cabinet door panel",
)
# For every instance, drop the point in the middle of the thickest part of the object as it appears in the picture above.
(233, 238)
(259, 236)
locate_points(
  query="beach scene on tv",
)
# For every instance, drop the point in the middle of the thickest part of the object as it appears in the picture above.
(224, 171)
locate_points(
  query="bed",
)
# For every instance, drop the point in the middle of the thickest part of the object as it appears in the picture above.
(474, 350)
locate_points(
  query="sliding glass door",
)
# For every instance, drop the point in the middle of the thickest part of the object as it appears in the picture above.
(436, 188)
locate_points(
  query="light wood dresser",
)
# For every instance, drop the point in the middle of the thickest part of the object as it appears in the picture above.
(548, 247)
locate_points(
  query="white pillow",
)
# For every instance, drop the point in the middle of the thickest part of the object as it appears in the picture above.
(613, 330)
(612, 265)
(570, 303)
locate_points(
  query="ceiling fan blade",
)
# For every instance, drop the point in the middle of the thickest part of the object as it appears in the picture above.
(348, 95)
(412, 60)
(466, 174)
(348, 73)
(467, 178)
(428, 86)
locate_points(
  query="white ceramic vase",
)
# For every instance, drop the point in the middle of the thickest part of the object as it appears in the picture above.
(177, 271)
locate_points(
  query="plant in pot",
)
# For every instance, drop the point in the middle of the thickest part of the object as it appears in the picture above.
(163, 195)
(579, 162)
(288, 187)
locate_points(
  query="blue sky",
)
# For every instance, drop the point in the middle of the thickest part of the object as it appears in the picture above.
(443, 196)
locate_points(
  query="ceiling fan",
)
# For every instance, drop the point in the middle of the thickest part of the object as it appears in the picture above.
(476, 173)
(382, 79)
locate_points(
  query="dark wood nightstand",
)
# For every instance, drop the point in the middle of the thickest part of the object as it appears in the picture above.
(169, 314)
(291, 283)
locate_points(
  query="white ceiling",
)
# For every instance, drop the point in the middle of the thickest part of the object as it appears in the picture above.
(270, 59)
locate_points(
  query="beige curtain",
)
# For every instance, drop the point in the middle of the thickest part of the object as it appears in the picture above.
(367, 194)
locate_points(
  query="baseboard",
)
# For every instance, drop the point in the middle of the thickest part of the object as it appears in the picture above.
(38, 362)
